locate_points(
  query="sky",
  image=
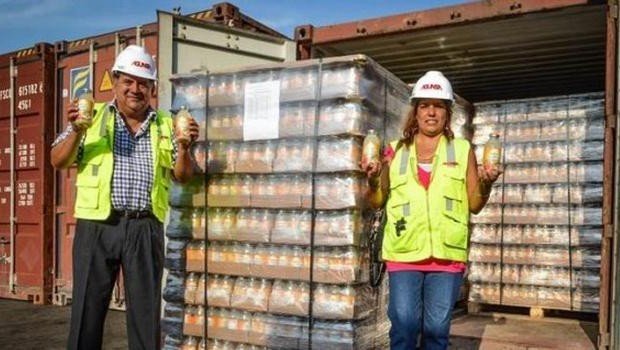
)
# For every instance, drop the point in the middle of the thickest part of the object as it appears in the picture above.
(26, 22)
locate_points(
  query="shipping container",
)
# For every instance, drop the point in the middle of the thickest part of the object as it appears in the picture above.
(86, 63)
(503, 51)
(26, 176)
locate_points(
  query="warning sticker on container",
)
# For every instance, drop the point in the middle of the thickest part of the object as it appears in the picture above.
(261, 113)
(106, 82)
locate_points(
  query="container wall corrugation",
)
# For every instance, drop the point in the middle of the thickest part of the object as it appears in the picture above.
(74, 61)
(26, 129)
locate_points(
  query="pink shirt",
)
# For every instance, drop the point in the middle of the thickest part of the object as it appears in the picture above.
(430, 264)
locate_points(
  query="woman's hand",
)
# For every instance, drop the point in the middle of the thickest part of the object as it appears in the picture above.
(489, 174)
(372, 170)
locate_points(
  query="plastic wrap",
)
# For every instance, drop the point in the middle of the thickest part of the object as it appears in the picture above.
(484, 293)
(249, 265)
(175, 287)
(170, 342)
(551, 256)
(172, 320)
(487, 253)
(338, 228)
(175, 254)
(290, 297)
(347, 117)
(342, 302)
(230, 329)
(484, 272)
(482, 233)
(339, 191)
(190, 91)
(190, 194)
(180, 223)
(292, 227)
(220, 289)
(339, 154)
(348, 81)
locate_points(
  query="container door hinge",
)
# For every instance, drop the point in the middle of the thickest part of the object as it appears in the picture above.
(603, 341)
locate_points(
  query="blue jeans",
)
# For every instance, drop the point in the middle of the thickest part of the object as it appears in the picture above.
(422, 302)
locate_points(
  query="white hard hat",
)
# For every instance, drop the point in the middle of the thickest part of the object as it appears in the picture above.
(433, 84)
(134, 60)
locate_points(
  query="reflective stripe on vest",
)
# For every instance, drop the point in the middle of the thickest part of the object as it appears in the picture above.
(451, 158)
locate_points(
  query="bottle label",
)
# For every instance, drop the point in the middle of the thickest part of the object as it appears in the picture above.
(493, 156)
(85, 108)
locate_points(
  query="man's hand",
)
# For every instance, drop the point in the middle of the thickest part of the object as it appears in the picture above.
(73, 114)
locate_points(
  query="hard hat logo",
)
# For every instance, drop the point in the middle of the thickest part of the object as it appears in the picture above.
(141, 64)
(134, 60)
(433, 85)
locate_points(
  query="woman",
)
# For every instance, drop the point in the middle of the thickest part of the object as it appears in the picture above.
(429, 183)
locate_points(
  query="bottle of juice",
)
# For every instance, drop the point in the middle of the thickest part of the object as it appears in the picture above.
(85, 110)
(371, 147)
(182, 119)
(492, 152)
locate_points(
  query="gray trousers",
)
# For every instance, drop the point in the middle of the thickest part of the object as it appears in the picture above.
(100, 248)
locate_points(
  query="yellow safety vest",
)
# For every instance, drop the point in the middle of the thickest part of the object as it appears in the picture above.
(428, 223)
(94, 177)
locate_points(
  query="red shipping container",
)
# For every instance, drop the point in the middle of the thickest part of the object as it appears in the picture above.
(26, 176)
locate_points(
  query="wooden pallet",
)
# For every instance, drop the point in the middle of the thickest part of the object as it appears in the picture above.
(532, 312)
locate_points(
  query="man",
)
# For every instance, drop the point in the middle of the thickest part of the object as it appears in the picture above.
(125, 161)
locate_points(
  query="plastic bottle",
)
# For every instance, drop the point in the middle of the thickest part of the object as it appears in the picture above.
(191, 284)
(86, 103)
(492, 152)
(190, 343)
(371, 147)
(183, 119)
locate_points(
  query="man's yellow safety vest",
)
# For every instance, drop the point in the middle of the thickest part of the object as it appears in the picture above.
(94, 177)
(428, 223)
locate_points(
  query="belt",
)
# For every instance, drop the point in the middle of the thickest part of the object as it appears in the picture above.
(132, 214)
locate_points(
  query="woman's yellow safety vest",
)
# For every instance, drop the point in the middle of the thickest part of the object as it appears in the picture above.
(94, 178)
(428, 223)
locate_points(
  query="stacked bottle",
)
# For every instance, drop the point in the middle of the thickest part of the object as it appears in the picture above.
(537, 242)
(273, 231)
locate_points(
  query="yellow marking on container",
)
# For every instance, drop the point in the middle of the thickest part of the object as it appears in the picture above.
(106, 82)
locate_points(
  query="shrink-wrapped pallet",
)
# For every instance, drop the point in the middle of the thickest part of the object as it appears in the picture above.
(273, 227)
(537, 242)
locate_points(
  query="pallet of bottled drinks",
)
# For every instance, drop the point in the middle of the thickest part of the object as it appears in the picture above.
(537, 243)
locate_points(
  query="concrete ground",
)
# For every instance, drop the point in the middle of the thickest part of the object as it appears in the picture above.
(26, 326)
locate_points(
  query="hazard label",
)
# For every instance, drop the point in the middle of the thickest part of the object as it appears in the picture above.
(106, 82)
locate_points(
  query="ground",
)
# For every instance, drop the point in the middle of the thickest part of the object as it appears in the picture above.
(27, 326)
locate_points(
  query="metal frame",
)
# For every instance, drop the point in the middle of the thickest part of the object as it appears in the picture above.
(479, 10)
(12, 132)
